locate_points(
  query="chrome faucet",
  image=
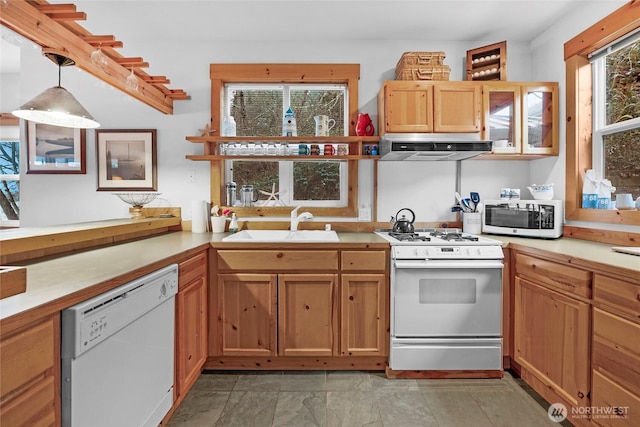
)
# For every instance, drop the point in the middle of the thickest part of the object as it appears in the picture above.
(296, 219)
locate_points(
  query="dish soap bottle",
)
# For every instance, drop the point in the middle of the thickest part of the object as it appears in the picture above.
(233, 225)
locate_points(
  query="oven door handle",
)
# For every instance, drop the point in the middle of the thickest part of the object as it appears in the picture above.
(457, 264)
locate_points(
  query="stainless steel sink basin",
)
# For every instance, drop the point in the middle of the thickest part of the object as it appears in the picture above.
(300, 236)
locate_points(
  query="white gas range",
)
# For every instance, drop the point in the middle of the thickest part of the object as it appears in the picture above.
(446, 298)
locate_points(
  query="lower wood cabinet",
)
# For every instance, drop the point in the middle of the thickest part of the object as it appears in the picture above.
(191, 322)
(297, 304)
(551, 343)
(245, 319)
(30, 374)
(307, 314)
(616, 351)
(363, 315)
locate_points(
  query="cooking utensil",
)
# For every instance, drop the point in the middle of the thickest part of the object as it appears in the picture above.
(475, 198)
(402, 224)
(466, 204)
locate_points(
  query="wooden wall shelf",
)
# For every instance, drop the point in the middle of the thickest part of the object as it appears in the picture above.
(487, 62)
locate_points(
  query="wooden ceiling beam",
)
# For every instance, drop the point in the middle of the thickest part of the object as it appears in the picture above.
(156, 79)
(25, 18)
(57, 8)
(103, 41)
(136, 62)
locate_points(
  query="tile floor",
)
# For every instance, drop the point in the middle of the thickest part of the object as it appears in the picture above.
(356, 398)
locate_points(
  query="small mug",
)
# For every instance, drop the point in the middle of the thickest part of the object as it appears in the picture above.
(343, 150)
(315, 149)
(501, 143)
(303, 150)
(625, 201)
(329, 150)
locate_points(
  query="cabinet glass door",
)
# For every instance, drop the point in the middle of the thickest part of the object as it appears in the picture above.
(502, 118)
(540, 108)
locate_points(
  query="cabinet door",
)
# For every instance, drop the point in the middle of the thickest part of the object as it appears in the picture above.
(616, 358)
(457, 107)
(247, 314)
(540, 119)
(191, 333)
(551, 334)
(501, 106)
(408, 108)
(307, 314)
(363, 315)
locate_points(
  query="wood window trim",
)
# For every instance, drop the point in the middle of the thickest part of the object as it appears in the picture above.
(579, 115)
(220, 74)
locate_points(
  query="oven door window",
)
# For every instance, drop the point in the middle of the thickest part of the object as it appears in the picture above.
(447, 291)
(447, 302)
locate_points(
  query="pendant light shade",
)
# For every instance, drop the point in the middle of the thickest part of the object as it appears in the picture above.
(56, 106)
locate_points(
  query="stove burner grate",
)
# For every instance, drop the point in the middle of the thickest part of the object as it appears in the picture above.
(453, 236)
(409, 237)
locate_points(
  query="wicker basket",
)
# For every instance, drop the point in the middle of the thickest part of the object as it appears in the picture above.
(434, 72)
(420, 59)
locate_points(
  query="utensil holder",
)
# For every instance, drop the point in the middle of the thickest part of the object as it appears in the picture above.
(218, 224)
(472, 222)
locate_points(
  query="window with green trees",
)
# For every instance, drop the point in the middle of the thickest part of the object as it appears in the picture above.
(616, 104)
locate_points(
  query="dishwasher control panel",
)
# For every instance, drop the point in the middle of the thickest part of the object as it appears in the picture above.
(88, 323)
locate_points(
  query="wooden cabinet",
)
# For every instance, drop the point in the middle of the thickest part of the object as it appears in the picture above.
(525, 115)
(307, 315)
(364, 303)
(191, 322)
(434, 107)
(616, 351)
(245, 322)
(552, 329)
(30, 374)
(364, 314)
(307, 307)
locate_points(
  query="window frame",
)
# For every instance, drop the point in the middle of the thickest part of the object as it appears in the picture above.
(579, 140)
(348, 74)
(8, 119)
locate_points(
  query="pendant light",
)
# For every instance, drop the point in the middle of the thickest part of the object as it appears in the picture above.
(56, 106)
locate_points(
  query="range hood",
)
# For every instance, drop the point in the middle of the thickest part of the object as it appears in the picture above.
(432, 146)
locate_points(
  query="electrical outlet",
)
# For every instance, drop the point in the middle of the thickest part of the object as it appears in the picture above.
(191, 176)
(364, 214)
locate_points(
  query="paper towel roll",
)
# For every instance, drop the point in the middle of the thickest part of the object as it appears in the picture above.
(198, 216)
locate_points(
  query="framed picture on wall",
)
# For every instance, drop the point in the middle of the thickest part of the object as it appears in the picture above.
(55, 149)
(126, 159)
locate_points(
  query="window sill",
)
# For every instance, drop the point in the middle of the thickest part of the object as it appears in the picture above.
(611, 216)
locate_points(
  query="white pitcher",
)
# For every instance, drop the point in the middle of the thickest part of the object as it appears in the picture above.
(323, 125)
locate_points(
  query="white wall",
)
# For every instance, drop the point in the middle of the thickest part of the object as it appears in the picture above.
(547, 59)
(427, 188)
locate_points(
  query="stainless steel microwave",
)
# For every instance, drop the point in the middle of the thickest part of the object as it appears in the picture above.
(526, 218)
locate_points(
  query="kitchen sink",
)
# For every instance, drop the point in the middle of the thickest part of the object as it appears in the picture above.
(300, 236)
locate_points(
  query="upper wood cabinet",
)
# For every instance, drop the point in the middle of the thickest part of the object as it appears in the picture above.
(418, 107)
(525, 115)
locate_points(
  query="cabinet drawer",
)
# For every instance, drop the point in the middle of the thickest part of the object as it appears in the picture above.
(624, 406)
(34, 407)
(363, 260)
(557, 275)
(624, 295)
(27, 355)
(192, 269)
(616, 349)
(277, 260)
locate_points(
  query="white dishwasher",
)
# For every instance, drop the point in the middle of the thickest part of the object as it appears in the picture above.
(117, 354)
